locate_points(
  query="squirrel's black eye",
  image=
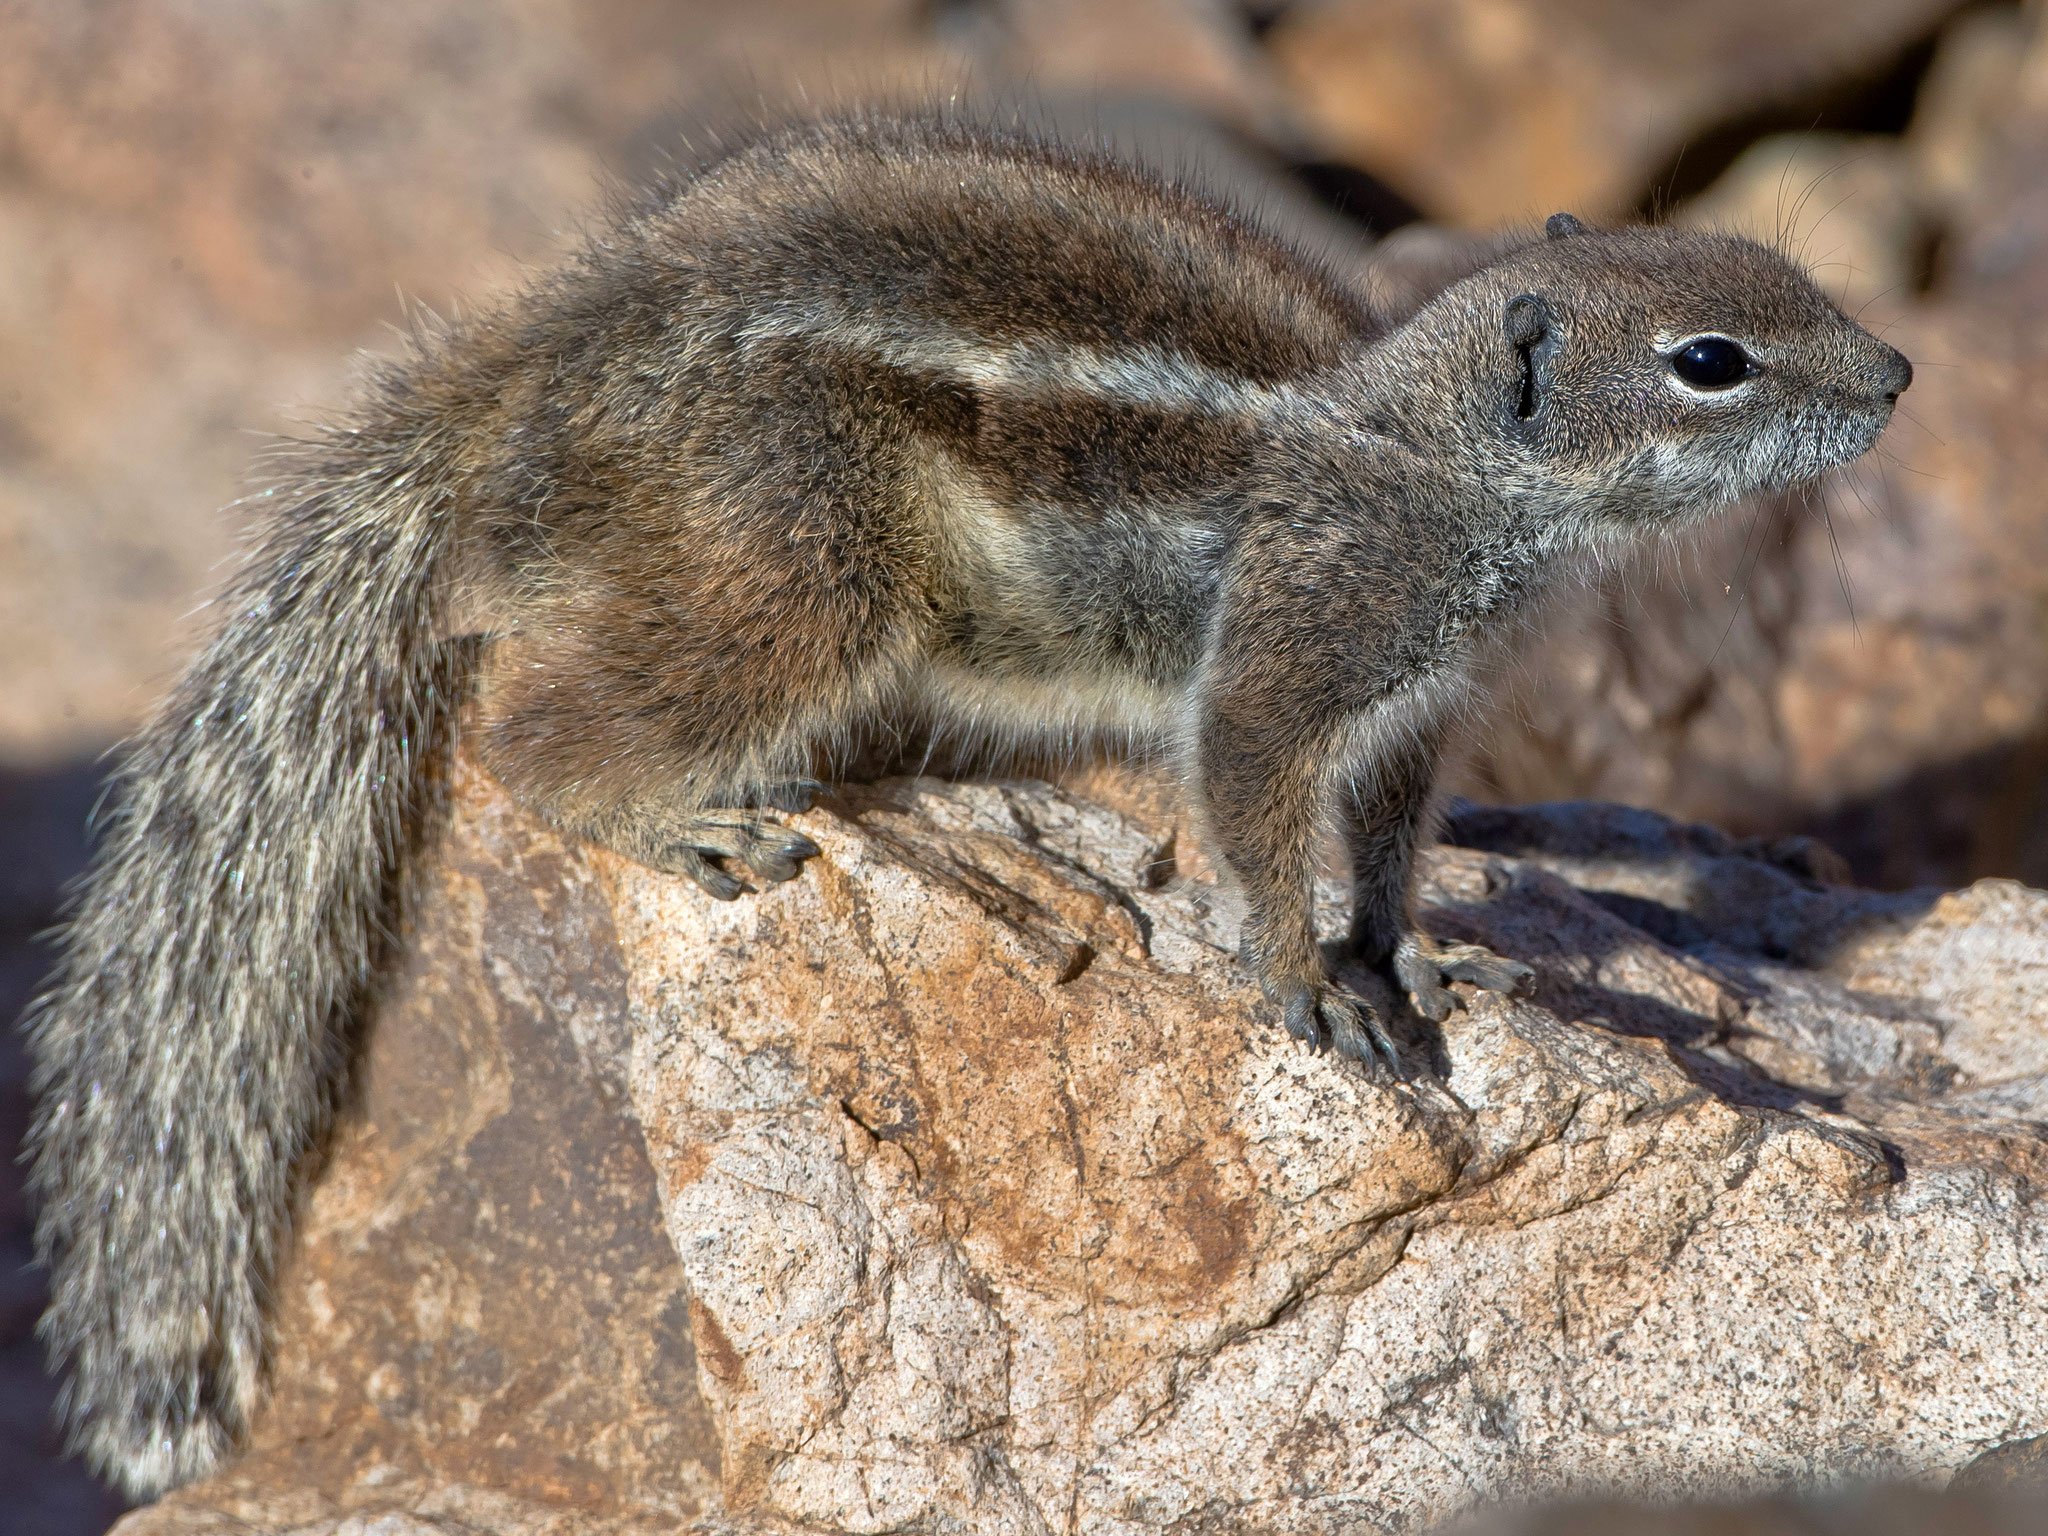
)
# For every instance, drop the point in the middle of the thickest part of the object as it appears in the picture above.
(1712, 362)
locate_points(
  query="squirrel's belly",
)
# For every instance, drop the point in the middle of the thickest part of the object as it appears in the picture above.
(1101, 599)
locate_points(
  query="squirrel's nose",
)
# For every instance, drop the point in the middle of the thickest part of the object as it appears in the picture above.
(1894, 374)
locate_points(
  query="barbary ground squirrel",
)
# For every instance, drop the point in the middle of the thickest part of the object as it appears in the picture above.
(872, 425)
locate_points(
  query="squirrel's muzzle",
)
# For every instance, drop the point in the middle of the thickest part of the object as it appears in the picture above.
(1894, 373)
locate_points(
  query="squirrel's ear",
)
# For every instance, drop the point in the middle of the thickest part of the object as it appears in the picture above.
(1527, 320)
(1560, 225)
(1532, 331)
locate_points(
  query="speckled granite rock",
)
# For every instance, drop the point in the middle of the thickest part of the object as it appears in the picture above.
(1000, 1205)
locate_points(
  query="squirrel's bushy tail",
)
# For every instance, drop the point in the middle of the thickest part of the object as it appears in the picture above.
(193, 1042)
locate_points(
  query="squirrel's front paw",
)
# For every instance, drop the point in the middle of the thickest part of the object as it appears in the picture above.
(1329, 1015)
(1421, 965)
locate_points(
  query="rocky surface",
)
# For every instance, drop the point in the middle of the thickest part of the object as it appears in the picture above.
(1488, 112)
(995, 1202)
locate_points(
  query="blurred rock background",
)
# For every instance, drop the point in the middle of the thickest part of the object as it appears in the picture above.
(207, 210)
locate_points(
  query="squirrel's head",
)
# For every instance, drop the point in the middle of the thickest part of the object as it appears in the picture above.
(1641, 378)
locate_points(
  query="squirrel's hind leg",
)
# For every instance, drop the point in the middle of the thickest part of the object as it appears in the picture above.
(708, 845)
(678, 767)
(705, 845)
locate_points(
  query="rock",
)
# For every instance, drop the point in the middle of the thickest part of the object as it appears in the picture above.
(1196, 54)
(2000, 236)
(1965, 105)
(1485, 112)
(2020, 1467)
(484, 1297)
(1893, 1511)
(1001, 1204)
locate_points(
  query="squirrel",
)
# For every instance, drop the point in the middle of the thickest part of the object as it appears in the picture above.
(869, 421)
